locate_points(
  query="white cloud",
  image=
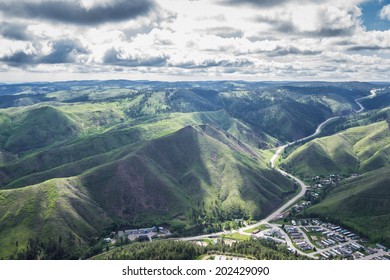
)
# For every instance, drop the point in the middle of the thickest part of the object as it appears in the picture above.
(385, 12)
(202, 39)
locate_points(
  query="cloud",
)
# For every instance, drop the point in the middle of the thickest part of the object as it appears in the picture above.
(137, 59)
(189, 61)
(312, 20)
(259, 3)
(74, 12)
(14, 31)
(369, 41)
(278, 39)
(267, 3)
(282, 51)
(18, 58)
(61, 51)
(224, 32)
(385, 12)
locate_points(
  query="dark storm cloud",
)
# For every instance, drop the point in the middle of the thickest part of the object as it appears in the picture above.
(74, 13)
(63, 51)
(112, 57)
(14, 31)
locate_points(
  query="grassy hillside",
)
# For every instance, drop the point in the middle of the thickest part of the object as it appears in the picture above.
(36, 128)
(261, 106)
(72, 157)
(76, 157)
(355, 150)
(53, 210)
(194, 170)
(362, 203)
(195, 174)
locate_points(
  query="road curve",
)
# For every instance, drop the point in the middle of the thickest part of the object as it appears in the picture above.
(361, 107)
(281, 149)
(303, 186)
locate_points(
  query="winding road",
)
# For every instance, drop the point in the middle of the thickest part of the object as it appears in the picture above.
(303, 186)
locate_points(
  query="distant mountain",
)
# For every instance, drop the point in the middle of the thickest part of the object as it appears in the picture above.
(259, 105)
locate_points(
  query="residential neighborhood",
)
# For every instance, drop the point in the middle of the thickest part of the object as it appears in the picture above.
(320, 240)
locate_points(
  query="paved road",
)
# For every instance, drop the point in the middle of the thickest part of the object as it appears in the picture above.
(378, 254)
(278, 211)
(373, 94)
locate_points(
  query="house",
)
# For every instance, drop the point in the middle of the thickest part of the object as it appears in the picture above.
(381, 246)
(325, 256)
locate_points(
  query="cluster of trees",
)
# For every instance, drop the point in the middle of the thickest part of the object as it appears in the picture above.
(180, 250)
(72, 249)
(157, 250)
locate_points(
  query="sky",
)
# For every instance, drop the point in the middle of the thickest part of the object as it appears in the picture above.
(254, 40)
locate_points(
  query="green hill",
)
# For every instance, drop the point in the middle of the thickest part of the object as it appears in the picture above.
(355, 150)
(37, 128)
(53, 210)
(78, 158)
(197, 174)
(196, 169)
(72, 157)
(362, 203)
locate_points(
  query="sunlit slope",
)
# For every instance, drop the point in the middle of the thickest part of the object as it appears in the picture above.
(196, 169)
(101, 133)
(53, 210)
(355, 150)
(363, 203)
(182, 177)
(35, 128)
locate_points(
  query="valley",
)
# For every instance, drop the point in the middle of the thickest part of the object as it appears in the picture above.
(88, 158)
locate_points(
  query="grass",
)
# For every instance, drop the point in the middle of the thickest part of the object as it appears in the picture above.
(362, 203)
(260, 227)
(236, 236)
(128, 152)
(48, 210)
(350, 151)
(178, 171)
(310, 235)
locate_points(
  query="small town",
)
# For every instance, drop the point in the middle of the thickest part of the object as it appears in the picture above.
(312, 238)
(319, 240)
